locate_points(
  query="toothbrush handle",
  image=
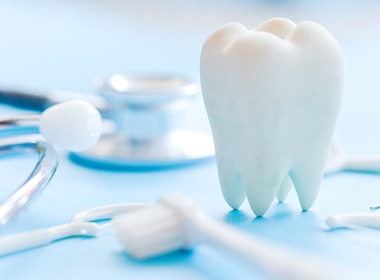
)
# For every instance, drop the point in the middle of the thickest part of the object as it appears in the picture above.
(22, 241)
(284, 263)
(34, 238)
(369, 164)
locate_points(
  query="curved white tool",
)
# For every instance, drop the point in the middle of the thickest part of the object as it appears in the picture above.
(176, 223)
(72, 125)
(80, 225)
(339, 161)
(39, 237)
(107, 212)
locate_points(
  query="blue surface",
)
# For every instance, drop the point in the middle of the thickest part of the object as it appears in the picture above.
(65, 44)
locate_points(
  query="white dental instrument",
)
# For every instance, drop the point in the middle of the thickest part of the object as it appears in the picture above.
(375, 207)
(80, 225)
(176, 223)
(354, 221)
(27, 240)
(148, 115)
(339, 161)
(107, 212)
(73, 126)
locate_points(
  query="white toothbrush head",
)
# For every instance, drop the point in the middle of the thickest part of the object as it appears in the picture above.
(163, 228)
(73, 125)
(150, 232)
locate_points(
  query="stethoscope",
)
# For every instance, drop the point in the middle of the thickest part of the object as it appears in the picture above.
(72, 125)
(143, 124)
(141, 127)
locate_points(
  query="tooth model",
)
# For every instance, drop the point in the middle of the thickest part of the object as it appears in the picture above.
(272, 96)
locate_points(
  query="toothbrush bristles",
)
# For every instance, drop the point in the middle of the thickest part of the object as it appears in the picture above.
(150, 232)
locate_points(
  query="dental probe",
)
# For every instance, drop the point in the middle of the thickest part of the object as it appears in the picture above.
(375, 207)
(176, 223)
(80, 225)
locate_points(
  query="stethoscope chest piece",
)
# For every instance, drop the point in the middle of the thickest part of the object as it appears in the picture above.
(148, 113)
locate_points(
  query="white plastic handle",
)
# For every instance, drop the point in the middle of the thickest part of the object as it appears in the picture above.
(30, 239)
(353, 220)
(80, 225)
(369, 164)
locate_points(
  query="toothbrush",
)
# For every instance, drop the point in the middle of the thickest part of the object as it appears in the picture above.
(82, 224)
(176, 223)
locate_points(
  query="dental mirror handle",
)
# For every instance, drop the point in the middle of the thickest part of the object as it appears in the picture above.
(363, 164)
(30, 239)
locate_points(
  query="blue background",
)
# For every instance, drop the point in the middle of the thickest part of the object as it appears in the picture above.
(67, 44)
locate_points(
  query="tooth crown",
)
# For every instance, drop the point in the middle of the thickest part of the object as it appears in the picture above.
(273, 96)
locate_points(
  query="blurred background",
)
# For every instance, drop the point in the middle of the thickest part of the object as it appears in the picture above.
(74, 42)
(70, 44)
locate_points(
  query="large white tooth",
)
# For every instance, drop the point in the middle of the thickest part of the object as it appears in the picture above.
(273, 96)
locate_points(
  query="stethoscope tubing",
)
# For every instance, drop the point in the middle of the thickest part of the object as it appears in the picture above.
(41, 174)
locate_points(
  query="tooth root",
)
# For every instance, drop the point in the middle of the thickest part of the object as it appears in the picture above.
(223, 127)
(261, 184)
(307, 178)
(223, 130)
(284, 189)
(230, 183)
(228, 172)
